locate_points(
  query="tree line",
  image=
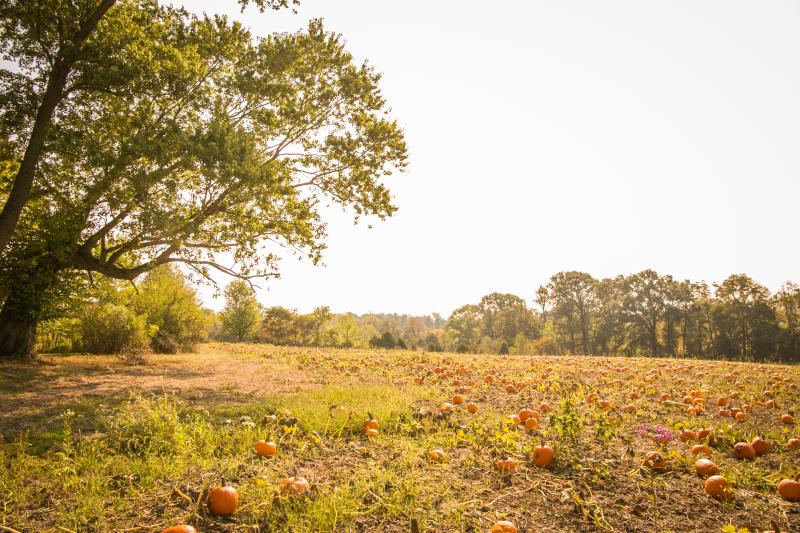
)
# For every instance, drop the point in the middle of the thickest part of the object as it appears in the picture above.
(164, 314)
(639, 314)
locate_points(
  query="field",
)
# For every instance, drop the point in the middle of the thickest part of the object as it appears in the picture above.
(91, 443)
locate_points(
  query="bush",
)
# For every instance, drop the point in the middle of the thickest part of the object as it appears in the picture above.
(114, 329)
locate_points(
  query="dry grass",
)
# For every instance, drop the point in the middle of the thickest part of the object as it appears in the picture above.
(93, 444)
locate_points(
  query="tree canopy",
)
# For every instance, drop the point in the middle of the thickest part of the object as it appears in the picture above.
(186, 140)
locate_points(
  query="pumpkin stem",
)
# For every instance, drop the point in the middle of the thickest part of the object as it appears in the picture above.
(224, 482)
(369, 415)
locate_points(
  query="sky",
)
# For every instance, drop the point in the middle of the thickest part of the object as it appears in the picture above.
(606, 137)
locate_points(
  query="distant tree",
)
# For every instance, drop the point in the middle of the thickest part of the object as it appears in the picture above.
(464, 328)
(386, 340)
(743, 318)
(240, 316)
(279, 326)
(645, 302)
(346, 330)
(432, 343)
(574, 292)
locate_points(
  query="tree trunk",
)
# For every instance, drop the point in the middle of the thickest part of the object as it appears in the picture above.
(654, 340)
(52, 97)
(585, 334)
(17, 336)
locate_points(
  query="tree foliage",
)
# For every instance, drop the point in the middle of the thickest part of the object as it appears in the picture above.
(241, 314)
(186, 140)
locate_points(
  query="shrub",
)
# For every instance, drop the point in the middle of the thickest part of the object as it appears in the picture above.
(114, 329)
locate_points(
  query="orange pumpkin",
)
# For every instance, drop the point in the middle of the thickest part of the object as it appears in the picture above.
(789, 489)
(706, 467)
(705, 433)
(794, 443)
(503, 526)
(222, 500)
(787, 419)
(701, 448)
(760, 445)
(472, 407)
(525, 414)
(543, 456)
(436, 455)
(294, 486)
(179, 529)
(266, 448)
(506, 465)
(655, 461)
(532, 424)
(743, 450)
(687, 435)
(446, 408)
(718, 487)
(458, 399)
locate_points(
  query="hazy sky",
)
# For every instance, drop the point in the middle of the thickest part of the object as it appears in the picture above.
(607, 137)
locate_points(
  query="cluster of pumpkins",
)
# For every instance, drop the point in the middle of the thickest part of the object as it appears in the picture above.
(716, 485)
(223, 500)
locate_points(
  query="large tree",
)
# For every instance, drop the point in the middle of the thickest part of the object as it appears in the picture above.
(219, 149)
(56, 46)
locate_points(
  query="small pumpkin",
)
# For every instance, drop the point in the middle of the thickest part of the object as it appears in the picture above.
(743, 450)
(222, 500)
(794, 443)
(707, 434)
(179, 529)
(532, 424)
(266, 448)
(697, 449)
(655, 461)
(687, 435)
(436, 455)
(718, 487)
(706, 467)
(789, 490)
(446, 408)
(458, 399)
(506, 465)
(472, 407)
(370, 423)
(543, 456)
(787, 420)
(294, 486)
(761, 446)
(503, 526)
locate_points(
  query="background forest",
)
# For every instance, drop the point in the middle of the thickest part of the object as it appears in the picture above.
(639, 314)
